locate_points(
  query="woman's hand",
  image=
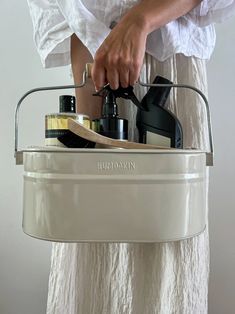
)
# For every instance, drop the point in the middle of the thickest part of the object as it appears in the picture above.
(119, 59)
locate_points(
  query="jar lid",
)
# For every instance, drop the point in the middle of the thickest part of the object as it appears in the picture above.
(67, 103)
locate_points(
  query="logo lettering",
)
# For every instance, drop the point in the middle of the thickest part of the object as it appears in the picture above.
(116, 165)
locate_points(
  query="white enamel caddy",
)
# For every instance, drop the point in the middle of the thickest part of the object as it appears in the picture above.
(113, 195)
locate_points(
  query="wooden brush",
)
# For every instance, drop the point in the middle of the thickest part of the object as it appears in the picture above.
(93, 137)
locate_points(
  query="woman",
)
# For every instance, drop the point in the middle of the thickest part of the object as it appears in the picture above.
(126, 40)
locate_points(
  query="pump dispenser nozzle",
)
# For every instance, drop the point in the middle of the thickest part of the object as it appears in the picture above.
(110, 124)
(110, 109)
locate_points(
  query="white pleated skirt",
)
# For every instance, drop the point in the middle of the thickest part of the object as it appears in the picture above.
(161, 278)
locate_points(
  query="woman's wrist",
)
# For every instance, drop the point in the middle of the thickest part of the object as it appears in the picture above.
(136, 18)
(153, 14)
(141, 17)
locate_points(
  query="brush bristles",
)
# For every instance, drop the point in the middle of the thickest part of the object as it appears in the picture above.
(72, 140)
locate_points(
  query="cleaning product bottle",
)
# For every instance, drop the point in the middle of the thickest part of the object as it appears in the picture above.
(110, 124)
(156, 124)
(56, 124)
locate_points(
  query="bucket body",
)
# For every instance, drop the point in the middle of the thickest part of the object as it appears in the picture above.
(114, 195)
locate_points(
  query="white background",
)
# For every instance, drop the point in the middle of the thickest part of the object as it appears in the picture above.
(24, 262)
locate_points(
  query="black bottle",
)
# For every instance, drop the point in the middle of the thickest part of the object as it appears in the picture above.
(56, 124)
(156, 124)
(110, 124)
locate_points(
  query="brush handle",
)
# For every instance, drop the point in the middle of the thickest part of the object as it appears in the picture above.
(92, 136)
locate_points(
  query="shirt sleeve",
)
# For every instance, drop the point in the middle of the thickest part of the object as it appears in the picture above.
(211, 11)
(54, 21)
(51, 32)
(91, 31)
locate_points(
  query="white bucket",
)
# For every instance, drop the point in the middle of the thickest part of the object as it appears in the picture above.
(111, 195)
(107, 195)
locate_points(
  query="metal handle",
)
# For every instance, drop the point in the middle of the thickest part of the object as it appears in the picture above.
(86, 74)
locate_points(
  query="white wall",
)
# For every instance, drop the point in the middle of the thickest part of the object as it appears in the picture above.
(24, 262)
(221, 70)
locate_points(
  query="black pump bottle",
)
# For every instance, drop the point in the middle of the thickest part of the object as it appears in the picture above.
(156, 124)
(110, 124)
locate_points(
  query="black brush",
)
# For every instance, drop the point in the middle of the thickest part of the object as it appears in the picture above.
(71, 140)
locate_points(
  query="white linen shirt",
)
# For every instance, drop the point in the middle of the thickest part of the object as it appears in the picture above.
(54, 22)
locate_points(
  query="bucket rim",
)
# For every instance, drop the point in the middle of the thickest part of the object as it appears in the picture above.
(54, 149)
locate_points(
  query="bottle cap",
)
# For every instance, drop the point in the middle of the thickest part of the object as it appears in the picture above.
(109, 108)
(67, 103)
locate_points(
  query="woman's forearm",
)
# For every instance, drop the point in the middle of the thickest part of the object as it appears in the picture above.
(153, 14)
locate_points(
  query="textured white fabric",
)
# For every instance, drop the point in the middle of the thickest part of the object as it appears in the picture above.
(166, 278)
(211, 11)
(55, 20)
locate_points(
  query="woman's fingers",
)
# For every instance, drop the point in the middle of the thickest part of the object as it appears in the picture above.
(134, 73)
(123, 75)
(98, 75)
(112, 78)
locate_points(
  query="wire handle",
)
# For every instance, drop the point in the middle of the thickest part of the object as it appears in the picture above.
(86, 75)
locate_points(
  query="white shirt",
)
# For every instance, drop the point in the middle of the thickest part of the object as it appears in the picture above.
(55, 21)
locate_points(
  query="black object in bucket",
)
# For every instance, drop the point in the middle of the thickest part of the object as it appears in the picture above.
(155, 123)
(110, 124)
(71, 140)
